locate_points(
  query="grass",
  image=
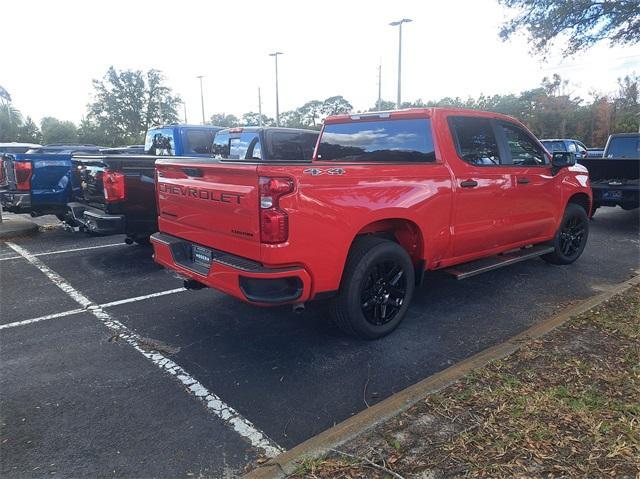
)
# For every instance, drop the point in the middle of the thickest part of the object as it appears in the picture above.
(566, 405)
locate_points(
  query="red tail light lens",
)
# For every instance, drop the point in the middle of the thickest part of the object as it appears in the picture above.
(274, 222)
(23, 171)
(113, 183)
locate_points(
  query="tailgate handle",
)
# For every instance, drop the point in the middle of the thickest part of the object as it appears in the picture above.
(196, 172)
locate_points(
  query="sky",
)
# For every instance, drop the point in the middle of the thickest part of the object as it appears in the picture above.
(330, 47)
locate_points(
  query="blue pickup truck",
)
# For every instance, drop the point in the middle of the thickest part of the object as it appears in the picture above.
(39, 181)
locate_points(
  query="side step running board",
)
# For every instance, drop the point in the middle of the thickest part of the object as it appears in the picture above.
(466, 270)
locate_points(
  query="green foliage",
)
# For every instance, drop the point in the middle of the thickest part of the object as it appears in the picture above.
(253, 119)
(582, 22)
(57, 131)
(291, 119)
(126, 103)
(29, 132)
(10, 123)
(224, 120)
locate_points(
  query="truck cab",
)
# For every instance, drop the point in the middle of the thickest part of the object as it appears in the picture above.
(180, 140)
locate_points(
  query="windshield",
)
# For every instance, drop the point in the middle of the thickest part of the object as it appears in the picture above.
(160, 142)
(386, 140)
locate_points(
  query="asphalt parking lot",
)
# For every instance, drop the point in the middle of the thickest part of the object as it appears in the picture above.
(109, 368)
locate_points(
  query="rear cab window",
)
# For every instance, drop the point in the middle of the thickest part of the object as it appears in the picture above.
(196, 141)
(624, 147)
(237, 146)
(291, 145)
(392, 140)
(160, 142)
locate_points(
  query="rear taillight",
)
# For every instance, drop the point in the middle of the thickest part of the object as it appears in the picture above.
(23, 173)
(274, 222)
(113, 183)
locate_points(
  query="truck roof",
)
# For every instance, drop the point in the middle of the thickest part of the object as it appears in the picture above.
(187, 125)
(409, 113)
(254, 129)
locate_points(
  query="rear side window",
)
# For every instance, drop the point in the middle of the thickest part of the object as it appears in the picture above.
(198, 141)
(552, 146)
(244, 146)
(624, 147)
(524, 150)
(387, 140)
(292, 145)
(475, 140)
(160, 142)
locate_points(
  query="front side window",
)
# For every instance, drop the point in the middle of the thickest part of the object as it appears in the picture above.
(386, 140)
(475, 140)
(524, 150)
(198, 141)
(160, 142)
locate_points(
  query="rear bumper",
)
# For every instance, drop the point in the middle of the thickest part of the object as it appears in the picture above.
(626, 195)
(15, 202)
(96, 221)
(239, 277)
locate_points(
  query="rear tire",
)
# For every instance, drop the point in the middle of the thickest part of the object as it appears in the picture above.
(376, 289)
(571, 237)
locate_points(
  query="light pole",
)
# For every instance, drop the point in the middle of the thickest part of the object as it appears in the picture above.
(275, 56)
(399, 24)
(200, 77)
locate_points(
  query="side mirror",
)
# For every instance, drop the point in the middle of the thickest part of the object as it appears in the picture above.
(562, 159)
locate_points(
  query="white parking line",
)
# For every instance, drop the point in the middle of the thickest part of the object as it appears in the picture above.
(80, 310)
(6, 258)
(213, 403)
(41, 318)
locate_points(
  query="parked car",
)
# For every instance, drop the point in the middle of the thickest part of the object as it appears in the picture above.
(615, 177)
(385, 197)
(572, 146)
(114, 191)
(37, 182)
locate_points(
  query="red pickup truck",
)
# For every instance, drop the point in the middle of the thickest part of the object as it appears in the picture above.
(386, 197)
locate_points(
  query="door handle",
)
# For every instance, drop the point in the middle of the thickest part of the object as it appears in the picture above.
(523, 181)
(469, 184)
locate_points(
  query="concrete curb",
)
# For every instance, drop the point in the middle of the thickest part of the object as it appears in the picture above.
(286, 462)
(16, 227)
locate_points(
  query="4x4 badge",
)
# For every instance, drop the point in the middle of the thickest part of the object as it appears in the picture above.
(321, 171)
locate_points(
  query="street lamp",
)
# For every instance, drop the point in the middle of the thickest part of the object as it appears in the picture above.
(200, 77)
(399, 24)
(275, 56)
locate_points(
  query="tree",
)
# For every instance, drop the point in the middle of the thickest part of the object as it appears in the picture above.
(253, 119)
(10, 122)
(29, 132)
(127, 103)
(224, 120)
(383, 106)
(57, 131)
(311, 113)
(291, 119)
(583, 22)
(335, 105)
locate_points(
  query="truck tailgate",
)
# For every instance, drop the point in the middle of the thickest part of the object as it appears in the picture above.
(211, 203)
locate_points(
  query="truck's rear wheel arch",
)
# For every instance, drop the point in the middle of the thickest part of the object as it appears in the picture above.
(404, 232)
(582, 200)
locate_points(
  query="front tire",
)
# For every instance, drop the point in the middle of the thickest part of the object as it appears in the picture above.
(571, 237)
(376, 289)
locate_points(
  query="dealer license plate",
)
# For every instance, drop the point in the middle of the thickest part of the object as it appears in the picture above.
(612, 195)
(201, 255)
